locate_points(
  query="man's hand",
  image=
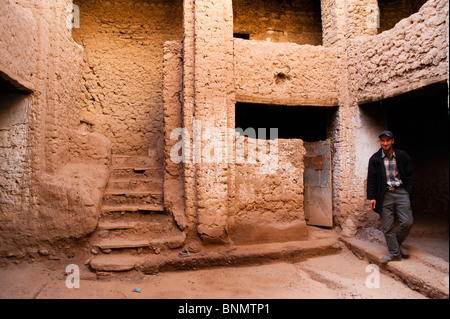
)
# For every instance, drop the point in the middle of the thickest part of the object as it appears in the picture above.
(372, 204)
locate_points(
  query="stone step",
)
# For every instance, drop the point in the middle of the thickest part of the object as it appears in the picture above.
(219, 257)
(120, 243)
(153, 226)
(136, 173)
(112, 198)
(134, 219)
(170, 240)
(118, 225)
(134, 161)
(151, 185)
(150, 208)
(421, 271)
(115, 262)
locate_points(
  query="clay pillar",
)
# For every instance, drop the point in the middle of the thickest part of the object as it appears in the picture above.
(343, 20)
(208, 98)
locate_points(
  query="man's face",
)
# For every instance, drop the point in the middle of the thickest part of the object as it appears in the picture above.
(386, 143)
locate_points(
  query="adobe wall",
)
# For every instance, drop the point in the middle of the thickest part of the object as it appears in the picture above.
(15, 174)
(217, 71)
(174, 184)
(217, 203)
(279, 21)
(290, 74)
(285, 73)
(344, 19)
(55, 171)
(266, 177)
(207, 98)
(268, 204)
(105, 94)
(122, 69)
(392, 11)
(412, 55)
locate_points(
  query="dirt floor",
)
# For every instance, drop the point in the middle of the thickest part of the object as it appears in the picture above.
(348, 273)
(341, 276)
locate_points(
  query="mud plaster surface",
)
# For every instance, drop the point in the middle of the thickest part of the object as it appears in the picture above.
(341, 276)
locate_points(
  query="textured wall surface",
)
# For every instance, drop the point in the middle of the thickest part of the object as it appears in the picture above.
(285, 73)
(269, 204)
(412, 55)
(174, 199)
(122, 69)
(279, 21)
(136, 70)
(409, 56)
(52, 172)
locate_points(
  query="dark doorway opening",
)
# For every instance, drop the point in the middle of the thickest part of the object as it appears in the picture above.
(244, 36)
(313, 125)
(13, 106)
(309, 123)
(420, 123)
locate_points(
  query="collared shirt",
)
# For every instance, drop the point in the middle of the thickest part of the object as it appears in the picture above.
(392, 174)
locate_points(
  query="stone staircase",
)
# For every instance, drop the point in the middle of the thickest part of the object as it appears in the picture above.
(133, 222)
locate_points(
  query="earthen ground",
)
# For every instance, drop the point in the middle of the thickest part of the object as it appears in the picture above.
(340, 275)
(336, 276)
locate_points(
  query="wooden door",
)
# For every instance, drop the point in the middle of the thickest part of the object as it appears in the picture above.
(317, 181)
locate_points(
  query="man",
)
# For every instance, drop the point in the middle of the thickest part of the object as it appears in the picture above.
(390, 181)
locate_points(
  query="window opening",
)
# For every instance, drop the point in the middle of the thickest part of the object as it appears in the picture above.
(309, 123)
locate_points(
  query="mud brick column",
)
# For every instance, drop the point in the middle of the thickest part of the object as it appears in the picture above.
(344, 20)
(187, 110)
(174, 200)
(213, 85)
(208, 97)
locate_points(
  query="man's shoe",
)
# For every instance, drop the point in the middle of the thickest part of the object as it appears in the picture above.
(404, 252)
(389, 258)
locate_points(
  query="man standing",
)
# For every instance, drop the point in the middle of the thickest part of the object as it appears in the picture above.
(390, 181)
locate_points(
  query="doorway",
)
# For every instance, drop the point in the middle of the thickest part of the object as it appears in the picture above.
(420, 122)
(312, 125)
(14, 104)
(317, 182)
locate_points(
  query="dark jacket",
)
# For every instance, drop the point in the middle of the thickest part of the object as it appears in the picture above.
(376, 176)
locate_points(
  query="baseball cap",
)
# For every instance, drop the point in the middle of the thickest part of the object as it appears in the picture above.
(386, 133)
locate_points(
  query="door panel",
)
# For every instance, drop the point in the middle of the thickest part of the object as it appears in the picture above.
(317, 181)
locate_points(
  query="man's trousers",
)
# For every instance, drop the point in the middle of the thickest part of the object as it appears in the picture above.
(396, 202)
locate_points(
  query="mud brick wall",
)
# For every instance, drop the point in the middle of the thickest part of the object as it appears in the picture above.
(174, 190)
(104, 93)
(14, 162)
(344, 19)
(412, 55)
(409, 56)
(285, 73)
(391, 12)
(122, 69)
(330, 23)
(214, 100)
(287, 21)
(52, 177)
(269, 204)
(187, 98)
